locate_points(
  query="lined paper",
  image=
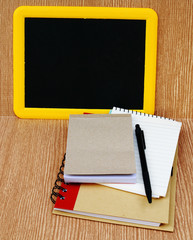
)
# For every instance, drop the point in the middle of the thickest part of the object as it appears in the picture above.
(161, 138)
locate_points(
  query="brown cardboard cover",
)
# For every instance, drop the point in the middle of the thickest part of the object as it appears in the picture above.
(100, 144)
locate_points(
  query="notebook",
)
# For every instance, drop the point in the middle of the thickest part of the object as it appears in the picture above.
(161, 138)
(101, 203)
(100, 149)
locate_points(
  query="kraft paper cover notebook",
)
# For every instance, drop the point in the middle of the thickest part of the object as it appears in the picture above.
(101, 203)
(100, 147)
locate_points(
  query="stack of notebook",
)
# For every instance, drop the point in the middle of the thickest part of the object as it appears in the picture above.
(126, 203)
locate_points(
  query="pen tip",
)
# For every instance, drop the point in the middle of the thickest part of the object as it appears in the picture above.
(149, 199)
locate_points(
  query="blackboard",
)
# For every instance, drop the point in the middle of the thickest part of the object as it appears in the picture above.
(82, 63)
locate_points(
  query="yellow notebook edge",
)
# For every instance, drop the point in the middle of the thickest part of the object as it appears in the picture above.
(163, 227)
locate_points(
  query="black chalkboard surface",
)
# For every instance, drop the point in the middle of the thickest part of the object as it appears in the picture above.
(84, 63)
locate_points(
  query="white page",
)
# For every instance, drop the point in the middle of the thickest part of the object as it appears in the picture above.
(131, 178)
(161, 138)
(120, 219)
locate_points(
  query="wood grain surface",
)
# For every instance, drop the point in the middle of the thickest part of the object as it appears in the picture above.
(174, 89)
(31, 150)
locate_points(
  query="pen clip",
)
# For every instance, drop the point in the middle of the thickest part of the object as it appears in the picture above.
(143, 139)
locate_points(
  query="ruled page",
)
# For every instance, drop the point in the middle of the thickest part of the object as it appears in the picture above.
(161, 138)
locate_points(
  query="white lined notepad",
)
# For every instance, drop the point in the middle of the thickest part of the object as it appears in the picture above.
(161, 138)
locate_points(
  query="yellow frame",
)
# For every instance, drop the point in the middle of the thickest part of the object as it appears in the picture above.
(80, 12)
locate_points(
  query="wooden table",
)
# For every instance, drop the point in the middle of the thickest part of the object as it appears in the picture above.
(31, 150)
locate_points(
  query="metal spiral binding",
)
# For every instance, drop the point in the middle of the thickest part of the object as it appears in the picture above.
(57, 187)
(141, 114)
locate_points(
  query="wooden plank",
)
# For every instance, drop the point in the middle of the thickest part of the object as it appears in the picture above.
(174, 89)
(31, 152)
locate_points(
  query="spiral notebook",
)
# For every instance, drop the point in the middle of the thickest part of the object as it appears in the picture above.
(100, 203)
(161, 138)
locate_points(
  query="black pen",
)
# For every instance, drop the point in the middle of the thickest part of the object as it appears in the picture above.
(141, 146)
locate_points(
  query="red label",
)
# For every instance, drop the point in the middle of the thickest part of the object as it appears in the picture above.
(70, 194)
